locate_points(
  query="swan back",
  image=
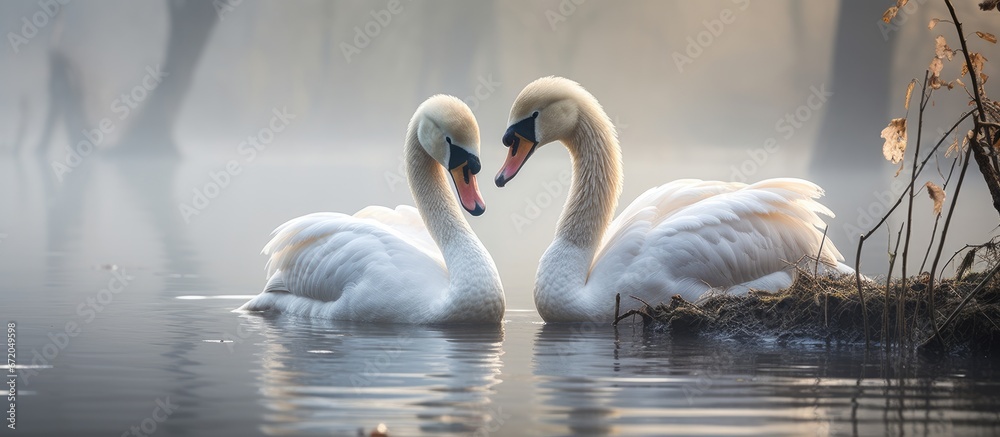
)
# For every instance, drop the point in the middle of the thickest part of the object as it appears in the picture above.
(688, 236)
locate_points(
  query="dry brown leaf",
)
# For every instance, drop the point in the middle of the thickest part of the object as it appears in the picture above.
(986, 36)
(959, 81)
(941, 49)
(934, 22)
(935, 67)
(895, 140)
(909, 92)
(988, 5)
(937, 195)
(901, 3)
(899, 170)
(953, 148)
(978, 60)
(890, 14)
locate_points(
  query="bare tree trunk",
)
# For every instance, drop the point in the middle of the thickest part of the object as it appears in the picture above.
(858, 109)
(65, 102)
(191, 23)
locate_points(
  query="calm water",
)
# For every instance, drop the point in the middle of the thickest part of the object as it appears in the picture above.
(167, 354)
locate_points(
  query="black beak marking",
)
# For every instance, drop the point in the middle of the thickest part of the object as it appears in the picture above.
(524, 128)
(461, 156)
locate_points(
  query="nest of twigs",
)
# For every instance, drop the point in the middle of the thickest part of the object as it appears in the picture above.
(828, 309)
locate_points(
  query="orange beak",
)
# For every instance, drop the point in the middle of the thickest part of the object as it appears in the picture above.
(517, 155)
(468, 190)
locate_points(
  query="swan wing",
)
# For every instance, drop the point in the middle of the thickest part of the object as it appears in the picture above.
(406, 220)
(331, 256)
(688, 236)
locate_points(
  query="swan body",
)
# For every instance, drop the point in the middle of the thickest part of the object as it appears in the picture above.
(404, 265)
(685, 238)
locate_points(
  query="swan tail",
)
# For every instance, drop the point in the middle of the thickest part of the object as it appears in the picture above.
(296, 234)
(276, 283)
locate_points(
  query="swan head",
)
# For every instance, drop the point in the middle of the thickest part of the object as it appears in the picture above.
(547, 110)
(447, 130)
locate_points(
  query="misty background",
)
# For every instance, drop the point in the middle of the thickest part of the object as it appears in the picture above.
(695, 88)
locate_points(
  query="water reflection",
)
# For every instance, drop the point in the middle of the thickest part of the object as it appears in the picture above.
(335, 377)
(594, 380)
(284, 375)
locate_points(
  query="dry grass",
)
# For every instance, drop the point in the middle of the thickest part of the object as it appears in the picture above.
(828, 309)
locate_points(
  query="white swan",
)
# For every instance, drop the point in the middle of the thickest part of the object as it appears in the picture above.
(407, 265)
(685, 237)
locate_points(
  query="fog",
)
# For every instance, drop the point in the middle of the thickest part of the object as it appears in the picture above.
(696, 89)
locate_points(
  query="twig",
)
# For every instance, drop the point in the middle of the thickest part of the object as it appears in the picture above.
(919, 170)
(888, 282)
(944, 235)
(925, 95)
(826, 295)
(819, 255)
(968, 62)
(969, 297)
(987, 244)
(985, 166)
(861, 293)
(618, 305)
(937, 219)
(646, 318)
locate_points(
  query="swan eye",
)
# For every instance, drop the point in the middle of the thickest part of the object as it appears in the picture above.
(534, 114)
(448, 139)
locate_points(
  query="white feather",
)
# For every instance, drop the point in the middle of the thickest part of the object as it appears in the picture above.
(682, 238)
(386, 265)
(377, 265)
(689, 236)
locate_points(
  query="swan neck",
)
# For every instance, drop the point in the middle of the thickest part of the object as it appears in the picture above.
(596, 183)
(563, 271)
(470, 267)
(433, 197)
